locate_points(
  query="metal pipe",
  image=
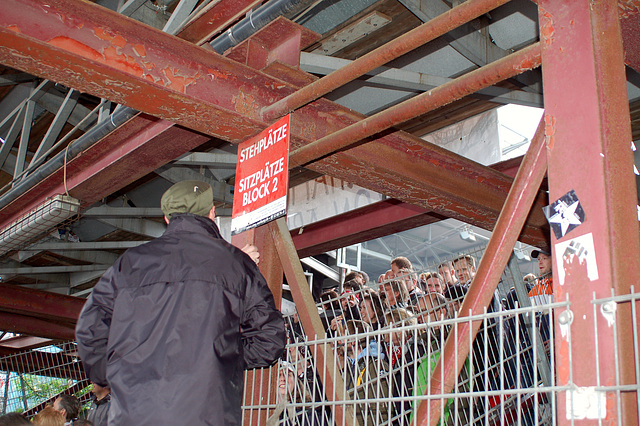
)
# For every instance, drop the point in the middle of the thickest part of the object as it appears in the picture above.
(75, 148)
(509, 225)
(497, 71)
(426, 32)
(257, 20)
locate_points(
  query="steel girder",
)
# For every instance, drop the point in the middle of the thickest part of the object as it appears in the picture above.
(103, 53)
(589, 153)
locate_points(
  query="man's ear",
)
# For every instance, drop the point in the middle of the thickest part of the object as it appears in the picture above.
(212, 213)
(166, 219)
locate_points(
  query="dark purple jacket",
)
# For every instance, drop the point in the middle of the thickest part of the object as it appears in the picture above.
(173, 324)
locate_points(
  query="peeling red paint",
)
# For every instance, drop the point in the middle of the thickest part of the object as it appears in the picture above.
(546, 28)
(14, 28)
(140, 50)
(102, 34)
(121, 62)
(627, 8)
(176, 82)
(75, 46)
(119, 41)
(217, 74)
(245, 104)
(550, 130)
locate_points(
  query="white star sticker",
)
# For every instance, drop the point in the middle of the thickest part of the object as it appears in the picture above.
(565, 216)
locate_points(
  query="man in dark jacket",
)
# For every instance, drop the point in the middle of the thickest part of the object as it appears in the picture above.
(98, 413)
(173, 324)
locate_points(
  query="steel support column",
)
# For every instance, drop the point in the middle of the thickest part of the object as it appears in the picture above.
(325, 365)
(493, 263)
(588, 142)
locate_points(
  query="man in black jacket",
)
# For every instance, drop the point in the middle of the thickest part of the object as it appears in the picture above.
(173, 324)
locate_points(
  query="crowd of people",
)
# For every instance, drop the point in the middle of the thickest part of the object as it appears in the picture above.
(387, 340)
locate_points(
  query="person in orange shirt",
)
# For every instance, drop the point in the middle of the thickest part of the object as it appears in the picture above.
(542, 291)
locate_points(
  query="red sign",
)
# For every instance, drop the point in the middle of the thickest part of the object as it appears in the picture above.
(262, 177)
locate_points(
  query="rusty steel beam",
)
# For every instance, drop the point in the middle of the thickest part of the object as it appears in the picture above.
(502, 69)
(40, 304)
(589, 153)
(101, 52)
(128, 153)
(373, 221)
(492, 265)
(23, 324)
(376, 220)
(420, 174)
(426, 32)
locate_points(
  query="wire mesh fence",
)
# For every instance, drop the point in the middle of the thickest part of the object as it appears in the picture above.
(31, 379)
(375, 363)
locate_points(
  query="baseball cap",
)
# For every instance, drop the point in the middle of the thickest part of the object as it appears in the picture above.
(535, 253)
(188, 196)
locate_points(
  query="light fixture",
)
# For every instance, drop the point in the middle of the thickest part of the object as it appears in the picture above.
(467, 234)
(47, 215)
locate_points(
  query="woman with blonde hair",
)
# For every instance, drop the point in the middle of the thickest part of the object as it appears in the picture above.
(49, 417)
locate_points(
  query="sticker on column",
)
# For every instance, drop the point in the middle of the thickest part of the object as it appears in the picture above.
(577, 254)
(565, 214)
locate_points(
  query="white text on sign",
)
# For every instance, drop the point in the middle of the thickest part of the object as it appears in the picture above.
(276, 136)
(250, 183)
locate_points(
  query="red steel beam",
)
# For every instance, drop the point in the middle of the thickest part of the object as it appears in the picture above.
(99, 51)
(386, 164)
(40, 304)
(24, 324)
(492, 265)
(373, 221)
(589, 152)
(376, 220)
(507, 67)
(224, 94)
(423, 34)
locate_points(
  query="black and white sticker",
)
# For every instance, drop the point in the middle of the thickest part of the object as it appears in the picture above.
(565, 214)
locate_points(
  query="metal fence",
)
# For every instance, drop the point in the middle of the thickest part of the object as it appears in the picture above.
(377, 362)
(32, 378)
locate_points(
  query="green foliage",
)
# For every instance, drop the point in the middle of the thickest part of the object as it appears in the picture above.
(41, 388)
